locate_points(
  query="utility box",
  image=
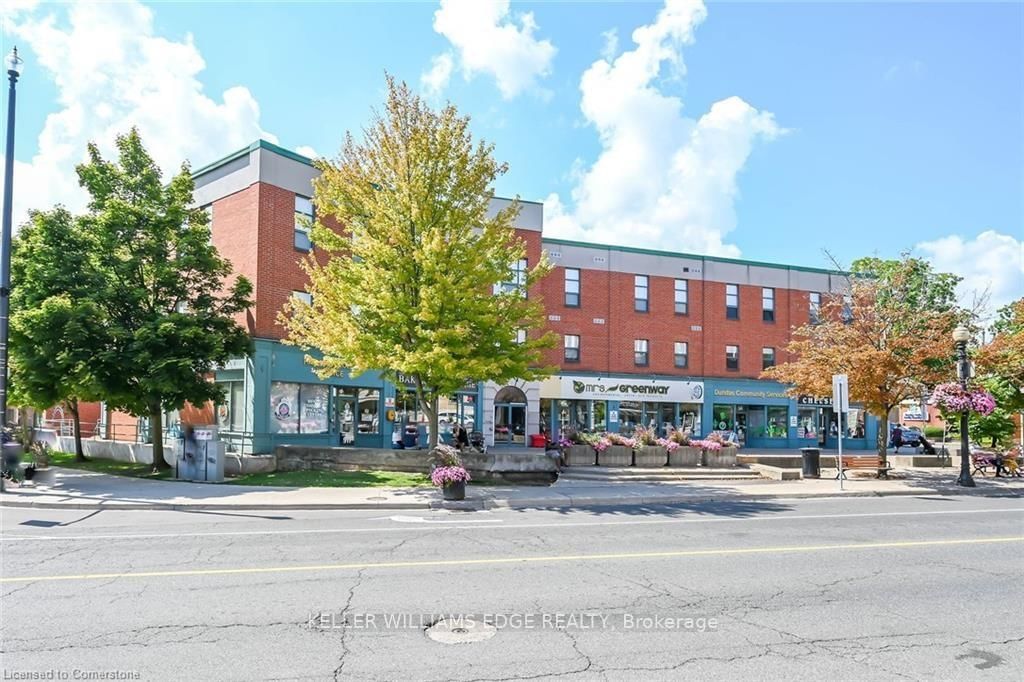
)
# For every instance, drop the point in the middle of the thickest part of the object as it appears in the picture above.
(200, 455)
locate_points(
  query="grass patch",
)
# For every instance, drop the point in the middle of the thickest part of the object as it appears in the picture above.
(109, 466)
(334, 479)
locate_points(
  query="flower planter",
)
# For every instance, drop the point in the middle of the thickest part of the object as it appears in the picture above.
(579, 455)
(454, 491)
(615, 456)
(650, 456)
(720, 459)
(684, 456)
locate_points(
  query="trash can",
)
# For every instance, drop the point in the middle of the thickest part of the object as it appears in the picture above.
(811, 462)
(410, 436)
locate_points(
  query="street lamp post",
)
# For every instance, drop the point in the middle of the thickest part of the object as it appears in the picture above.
(961, 335)
(13, 71)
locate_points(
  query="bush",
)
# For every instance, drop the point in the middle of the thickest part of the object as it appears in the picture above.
(931, 432)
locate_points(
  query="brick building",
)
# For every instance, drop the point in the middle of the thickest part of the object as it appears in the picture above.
(648, 337)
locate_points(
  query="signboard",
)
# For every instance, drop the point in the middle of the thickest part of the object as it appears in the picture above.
(792, 420)
(814, 400)
(841, 392)
(607, 388)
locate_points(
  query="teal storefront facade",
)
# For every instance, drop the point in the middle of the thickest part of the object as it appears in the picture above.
(273, 398)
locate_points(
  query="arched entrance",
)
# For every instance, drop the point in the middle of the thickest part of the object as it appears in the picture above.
(510, 416)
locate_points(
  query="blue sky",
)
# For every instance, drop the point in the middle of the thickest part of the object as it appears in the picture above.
(857, 128)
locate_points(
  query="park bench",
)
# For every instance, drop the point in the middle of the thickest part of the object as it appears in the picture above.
(861, 462)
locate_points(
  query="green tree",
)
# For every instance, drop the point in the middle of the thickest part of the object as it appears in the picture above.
(413, 284)
(163, 291)
(55, 327)
(997, 427)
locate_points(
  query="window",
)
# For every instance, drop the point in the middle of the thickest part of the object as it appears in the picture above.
(298, 408)
(640, 293)
(520, 336)
(847, 309)
(640, 352)
(778, 422)
(303, 223)
(732, 358)
(516, 279)
(303, 296)
(814, 307)
(369, 411)
(768, 305)
(231, 412)
(682, 297)
(767, 358)
(681, 353)
(572, 287)
(732, 302)
(572, 348)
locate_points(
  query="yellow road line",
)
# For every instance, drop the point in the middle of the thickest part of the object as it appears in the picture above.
(517, 560)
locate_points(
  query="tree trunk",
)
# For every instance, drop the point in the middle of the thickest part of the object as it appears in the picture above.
(882, 439)
(430, 410)
(76, 421)
(156, 434)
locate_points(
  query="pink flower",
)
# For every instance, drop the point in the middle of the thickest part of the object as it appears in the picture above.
(442, 477)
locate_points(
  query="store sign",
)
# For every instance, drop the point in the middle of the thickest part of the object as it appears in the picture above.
(606, 388)
(748, 393)
(814, 400)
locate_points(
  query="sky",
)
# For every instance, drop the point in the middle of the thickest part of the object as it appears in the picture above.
(797, 133)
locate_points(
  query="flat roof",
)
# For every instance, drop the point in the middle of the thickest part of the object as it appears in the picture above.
(294, 156)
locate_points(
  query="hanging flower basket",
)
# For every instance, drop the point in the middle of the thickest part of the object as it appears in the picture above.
(953, 397)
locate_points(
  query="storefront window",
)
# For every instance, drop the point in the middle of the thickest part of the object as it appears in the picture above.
(689, 419)
(284, 407)
(629, 416)
(573, 415)
(369, 411)
(777, 426)
(806, 423)
(545, 417)
(231, 412)
(313, 399)
(724, 418)
(854, 423)
(600, 415)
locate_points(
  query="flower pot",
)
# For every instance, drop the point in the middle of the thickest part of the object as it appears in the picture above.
(615, 456)
(684, 456)
(454, 491)
(650, 456)
(580, 455)
(720, 459)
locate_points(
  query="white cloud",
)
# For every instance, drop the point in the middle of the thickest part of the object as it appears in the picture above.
(661, 179)
(436, 79)
(306, 150)
(112, 71)
(990, 262)
(611, 44)
(488, 39)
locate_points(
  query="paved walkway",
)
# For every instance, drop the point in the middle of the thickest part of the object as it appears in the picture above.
(74, 489)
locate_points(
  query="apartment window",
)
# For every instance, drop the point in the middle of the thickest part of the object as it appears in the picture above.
(640, 352)
(640, 293)
(732, 302)
(682, 354)
(767, 358)
(572, 287)
(732, 358)
(572, 348)
(814, 307)
(303, 222)
(303, 296)
(847, 309)
(768, 305)
(516, 279)
(682, 297)
(520, 336)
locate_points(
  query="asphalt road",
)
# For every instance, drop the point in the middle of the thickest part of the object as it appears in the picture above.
(854, 589)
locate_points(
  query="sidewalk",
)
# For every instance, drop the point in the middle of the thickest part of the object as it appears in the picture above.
(73, 489)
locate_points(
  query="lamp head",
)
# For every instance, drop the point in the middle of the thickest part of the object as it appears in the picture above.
(14, 63)
(961, 334)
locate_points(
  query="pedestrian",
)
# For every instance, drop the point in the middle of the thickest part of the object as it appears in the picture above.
(897, 437)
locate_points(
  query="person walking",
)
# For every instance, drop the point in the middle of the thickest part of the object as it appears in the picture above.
(897, 437)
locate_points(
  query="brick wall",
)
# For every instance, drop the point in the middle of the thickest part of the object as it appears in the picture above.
(234, 233)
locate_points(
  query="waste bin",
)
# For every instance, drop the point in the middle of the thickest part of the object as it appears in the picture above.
(811, 462)
(410, 436)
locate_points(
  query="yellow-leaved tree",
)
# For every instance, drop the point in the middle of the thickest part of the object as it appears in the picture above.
(411, 282)
(890, 333)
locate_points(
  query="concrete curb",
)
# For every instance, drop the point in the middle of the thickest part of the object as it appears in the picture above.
(496, 503)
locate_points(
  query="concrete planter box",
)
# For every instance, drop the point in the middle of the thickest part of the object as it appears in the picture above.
(684, 456)
(720, 459)
(650, 456)
(615, 456)
(580, 455)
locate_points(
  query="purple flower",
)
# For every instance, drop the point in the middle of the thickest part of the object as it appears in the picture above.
(442, 477)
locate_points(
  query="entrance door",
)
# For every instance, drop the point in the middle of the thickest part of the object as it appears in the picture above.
(346, 409)
(510, 416)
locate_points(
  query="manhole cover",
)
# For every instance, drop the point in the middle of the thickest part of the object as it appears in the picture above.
(460, 630)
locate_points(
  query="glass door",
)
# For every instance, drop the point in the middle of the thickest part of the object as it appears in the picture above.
(345, 408)
(510, 423)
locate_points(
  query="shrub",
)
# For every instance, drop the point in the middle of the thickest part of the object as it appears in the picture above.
(644, 436)
(933, 432)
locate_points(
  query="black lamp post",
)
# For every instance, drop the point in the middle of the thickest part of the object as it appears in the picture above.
(961, 335)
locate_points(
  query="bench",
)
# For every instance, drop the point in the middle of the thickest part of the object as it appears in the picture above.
(861, 462)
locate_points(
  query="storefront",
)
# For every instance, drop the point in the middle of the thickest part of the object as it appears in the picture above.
(601, 403)
(763, 415)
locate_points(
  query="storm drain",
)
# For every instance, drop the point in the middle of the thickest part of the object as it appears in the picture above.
(460, 630)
